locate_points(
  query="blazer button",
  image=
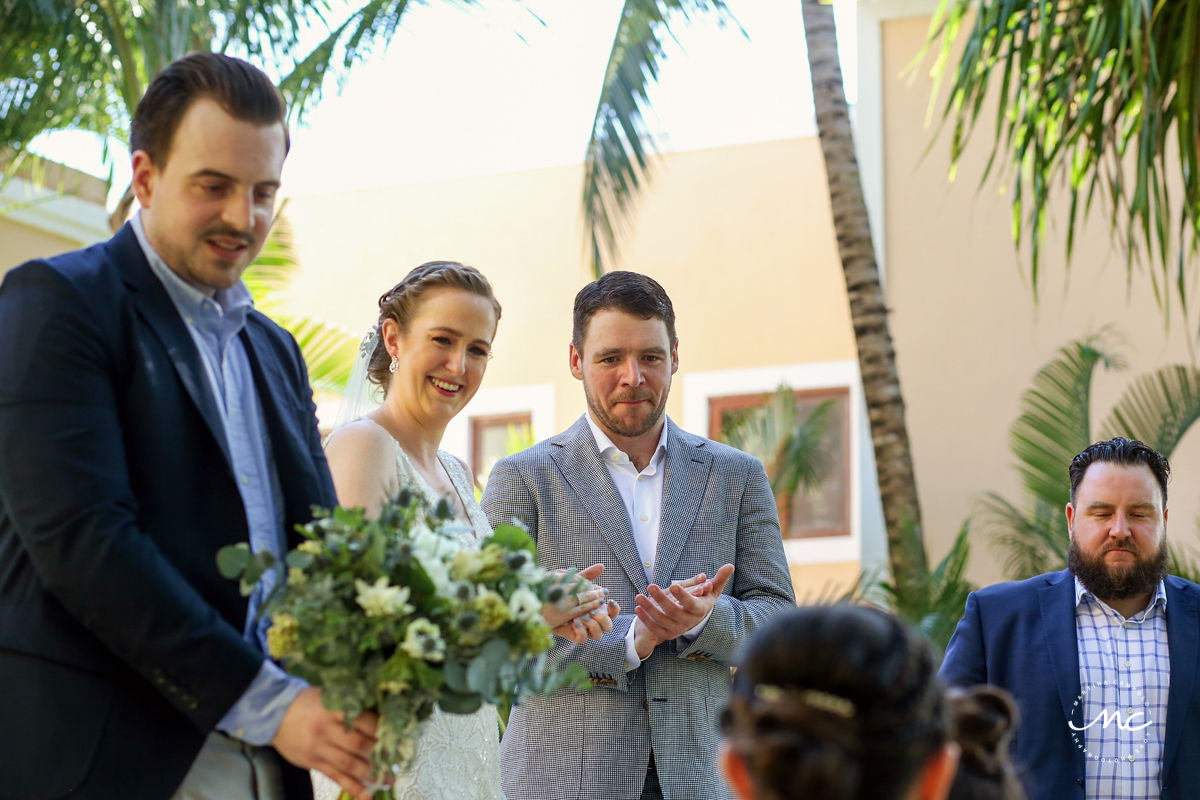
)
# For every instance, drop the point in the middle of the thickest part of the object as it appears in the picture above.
(645, 705)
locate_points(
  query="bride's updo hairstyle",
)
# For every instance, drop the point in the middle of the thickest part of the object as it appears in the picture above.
(401, 301)
(984, 718)
(839, 702)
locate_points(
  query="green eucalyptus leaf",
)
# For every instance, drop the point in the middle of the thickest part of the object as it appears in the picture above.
(232, 559)
(455, 673)
(510, 537)
(299, 559)
(460, 703)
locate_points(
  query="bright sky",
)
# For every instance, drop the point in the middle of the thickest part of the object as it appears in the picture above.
(463, 91)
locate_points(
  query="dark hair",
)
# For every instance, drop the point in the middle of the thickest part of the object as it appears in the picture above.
(400, 303)
(241, 89)
(840, 702)
(631, 292)
(1120, 450)
(984, 718)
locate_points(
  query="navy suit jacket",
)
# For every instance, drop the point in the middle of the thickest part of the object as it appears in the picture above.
(1020, 636)
(120, 643)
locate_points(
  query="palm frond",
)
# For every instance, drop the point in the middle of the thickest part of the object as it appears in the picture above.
(1184, 563)
(794, 452)
(1054, 424)
(328, 351)
(933, 602)
(1100, 97)
(366, 30)
(1034, 540)
(617, 157)
(1055, 419)
(1157, 408)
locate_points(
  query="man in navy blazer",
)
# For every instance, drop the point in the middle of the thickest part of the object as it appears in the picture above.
(1102, 656)
(148, 417)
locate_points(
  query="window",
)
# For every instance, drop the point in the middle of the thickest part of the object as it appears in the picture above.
(825, 510)
(496, 435)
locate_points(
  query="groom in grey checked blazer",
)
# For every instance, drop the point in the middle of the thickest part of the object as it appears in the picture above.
(689, 537)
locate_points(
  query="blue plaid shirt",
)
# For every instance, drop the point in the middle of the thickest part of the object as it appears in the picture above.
(1124, 675)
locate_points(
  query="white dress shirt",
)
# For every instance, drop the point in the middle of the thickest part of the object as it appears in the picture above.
(642, 495)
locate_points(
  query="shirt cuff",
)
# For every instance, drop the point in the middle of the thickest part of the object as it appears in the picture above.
(632, 661)
(257, 714)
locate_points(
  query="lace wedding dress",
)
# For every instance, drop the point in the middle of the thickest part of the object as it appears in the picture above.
(458, 755)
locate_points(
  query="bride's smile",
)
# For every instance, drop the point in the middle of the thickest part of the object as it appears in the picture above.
(442, 355)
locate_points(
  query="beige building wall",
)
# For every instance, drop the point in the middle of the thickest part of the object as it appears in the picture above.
(968, 334)
(19, 243)
(63, 211)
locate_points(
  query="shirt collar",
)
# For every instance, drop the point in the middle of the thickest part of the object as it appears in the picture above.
(1159, 599)
(605, 444)
(233, 303)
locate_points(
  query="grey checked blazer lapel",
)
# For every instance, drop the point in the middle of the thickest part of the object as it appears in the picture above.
(688, 465)
(579, 462)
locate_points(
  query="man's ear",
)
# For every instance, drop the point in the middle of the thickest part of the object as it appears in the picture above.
(937, 776)
(145, 178)
(575, 358)
(675, 357)
(1070, 519)
(736, 774)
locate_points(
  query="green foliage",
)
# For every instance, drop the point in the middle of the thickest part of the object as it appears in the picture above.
(617, 160)
(85, 65)
(794, 451)
(328, 351)
(1055, 423)
(933, 602)
(1099, 96)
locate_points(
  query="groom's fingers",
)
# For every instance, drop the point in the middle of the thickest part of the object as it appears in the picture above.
(721, 578)
(653, 624)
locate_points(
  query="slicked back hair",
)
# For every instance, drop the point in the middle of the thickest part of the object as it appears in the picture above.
(1127, 452)
(241, 89)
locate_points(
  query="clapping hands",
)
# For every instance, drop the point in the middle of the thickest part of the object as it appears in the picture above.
(666, 614)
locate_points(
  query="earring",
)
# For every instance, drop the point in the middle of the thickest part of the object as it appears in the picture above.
(394, 365)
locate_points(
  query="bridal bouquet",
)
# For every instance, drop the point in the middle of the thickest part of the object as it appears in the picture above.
(393, 615)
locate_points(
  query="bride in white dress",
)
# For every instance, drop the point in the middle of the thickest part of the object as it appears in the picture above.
(428, 354)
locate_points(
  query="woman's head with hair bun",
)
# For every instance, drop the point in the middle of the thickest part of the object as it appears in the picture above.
(983, 720)
(838, 702)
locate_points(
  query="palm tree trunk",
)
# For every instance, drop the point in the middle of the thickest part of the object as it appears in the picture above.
(868, 313)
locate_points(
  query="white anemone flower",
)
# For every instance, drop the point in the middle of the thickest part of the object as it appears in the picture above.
(524, 604)
(380, 599)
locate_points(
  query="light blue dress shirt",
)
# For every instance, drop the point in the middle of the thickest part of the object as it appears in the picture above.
(1125, 678)
(214, 324)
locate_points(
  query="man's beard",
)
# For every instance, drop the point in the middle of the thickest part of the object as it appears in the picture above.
(620, 427)
(1122, 582)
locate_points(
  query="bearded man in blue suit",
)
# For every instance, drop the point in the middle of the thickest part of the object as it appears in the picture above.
(1102, 656)
(148, 417)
